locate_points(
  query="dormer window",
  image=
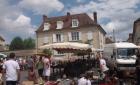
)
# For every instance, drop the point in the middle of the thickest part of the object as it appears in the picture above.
(59, 24)
(46, 26)
(75, 23)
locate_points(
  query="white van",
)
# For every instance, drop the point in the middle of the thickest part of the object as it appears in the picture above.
(2, 56)
(121, 56)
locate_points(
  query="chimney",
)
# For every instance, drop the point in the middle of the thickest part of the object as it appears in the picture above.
(44, 18)
(68, 13)
(68, 16)
(95, 17)
(130, 35)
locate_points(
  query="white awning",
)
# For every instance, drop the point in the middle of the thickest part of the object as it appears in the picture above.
(66, 45)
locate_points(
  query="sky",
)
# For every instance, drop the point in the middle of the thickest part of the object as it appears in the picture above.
(23, 17)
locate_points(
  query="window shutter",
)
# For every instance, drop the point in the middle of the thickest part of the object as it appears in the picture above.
(62, 38)
(45, 39)
(90, 35)
(69, 36)
(54, 37)
(80, 36)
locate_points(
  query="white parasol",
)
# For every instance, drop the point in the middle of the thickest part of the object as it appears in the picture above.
(66, 45)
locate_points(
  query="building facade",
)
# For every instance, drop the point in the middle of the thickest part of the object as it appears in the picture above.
(71, 28)
(2, 44)
(130, 38)
(2, 41)
(108, 40)
(136, 32)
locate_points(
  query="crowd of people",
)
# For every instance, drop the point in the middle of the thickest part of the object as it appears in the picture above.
(77, 67)
(78, 72)
(11, 69)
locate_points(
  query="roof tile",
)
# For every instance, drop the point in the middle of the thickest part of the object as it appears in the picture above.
(83, 18)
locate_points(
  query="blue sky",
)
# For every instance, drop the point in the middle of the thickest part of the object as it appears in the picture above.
(23, 17)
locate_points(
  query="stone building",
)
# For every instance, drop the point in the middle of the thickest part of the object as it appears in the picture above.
(108, 40)
(136, 32)
(71, 28)
(2, 43)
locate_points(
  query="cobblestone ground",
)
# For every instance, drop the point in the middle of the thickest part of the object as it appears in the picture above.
(23, 76)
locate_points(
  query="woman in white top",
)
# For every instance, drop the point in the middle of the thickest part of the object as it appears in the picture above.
(47, 69)
(102, 62)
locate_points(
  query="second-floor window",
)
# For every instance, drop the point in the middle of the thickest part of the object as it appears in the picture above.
(75, 23)
(75, 36)
(58, 37)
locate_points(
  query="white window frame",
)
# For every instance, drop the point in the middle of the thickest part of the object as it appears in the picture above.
(75, 23)
(75, 36)
(59, 24)
(58, 37)
(46, 26)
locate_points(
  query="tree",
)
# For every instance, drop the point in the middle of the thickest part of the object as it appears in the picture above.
(16, 44)
(29, 43)
(47, 51)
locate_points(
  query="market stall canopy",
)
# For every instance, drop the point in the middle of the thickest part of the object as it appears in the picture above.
(66, 45)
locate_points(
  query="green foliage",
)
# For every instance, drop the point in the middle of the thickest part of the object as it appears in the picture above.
(16, 44)
(47, 51)
(29, 43)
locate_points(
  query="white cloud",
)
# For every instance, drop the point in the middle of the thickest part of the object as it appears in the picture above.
(21, 24)
(121, 14)
(13, 22)
(120, 28)
(23, 20)
(42, 6)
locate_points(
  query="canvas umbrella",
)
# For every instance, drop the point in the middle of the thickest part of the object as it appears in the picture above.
(66, 45)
